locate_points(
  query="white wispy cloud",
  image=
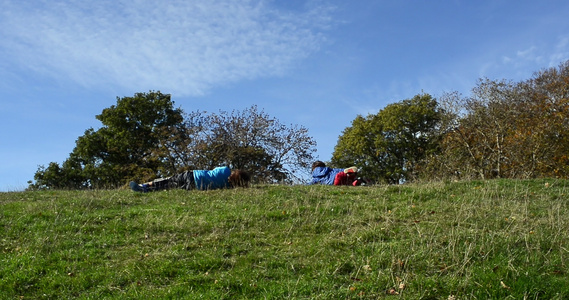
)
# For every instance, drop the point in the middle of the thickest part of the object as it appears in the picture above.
(182, 47)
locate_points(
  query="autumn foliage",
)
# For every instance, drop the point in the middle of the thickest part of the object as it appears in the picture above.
(503, 130)
(508, 129)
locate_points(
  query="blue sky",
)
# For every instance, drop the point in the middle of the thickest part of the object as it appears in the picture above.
(316, 63)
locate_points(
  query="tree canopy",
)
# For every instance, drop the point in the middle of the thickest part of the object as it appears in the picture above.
(249, 139)
(509, 129)
(121, 149)
(504, 129)
(389, 145)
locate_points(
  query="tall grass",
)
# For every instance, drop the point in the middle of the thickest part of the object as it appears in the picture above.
(462, 240)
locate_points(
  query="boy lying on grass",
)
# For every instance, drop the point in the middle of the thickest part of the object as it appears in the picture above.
(218, 178)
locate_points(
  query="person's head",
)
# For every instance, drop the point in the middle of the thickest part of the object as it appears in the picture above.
(317, 164)
(239, 178)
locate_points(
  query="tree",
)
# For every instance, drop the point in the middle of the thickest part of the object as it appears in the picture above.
(122, 149)
(391, 145)
(249, 139)
(548, 109)
(510, 129)
(483, 130)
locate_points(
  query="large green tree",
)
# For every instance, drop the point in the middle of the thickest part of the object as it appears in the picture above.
(390, 145)
(122, 149)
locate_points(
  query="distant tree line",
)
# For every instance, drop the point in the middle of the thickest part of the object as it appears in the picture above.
(504, 130)
(144, 137)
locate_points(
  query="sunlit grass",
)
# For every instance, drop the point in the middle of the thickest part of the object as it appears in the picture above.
(468, 240)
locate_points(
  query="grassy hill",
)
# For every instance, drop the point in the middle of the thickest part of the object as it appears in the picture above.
(461, 240)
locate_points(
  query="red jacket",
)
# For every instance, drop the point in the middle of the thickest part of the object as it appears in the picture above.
(343, 179)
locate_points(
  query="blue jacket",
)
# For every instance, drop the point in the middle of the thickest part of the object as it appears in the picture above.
(324, 175)
(217, 178)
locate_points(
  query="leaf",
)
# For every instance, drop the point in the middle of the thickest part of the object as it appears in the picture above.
(392, 291)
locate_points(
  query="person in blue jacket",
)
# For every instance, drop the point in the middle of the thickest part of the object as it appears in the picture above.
(321, 174)
(218, 178)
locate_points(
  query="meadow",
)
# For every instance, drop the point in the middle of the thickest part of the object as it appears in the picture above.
(498, 239)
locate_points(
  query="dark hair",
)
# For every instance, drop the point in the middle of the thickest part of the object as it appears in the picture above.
(239, 178)
(318, 163)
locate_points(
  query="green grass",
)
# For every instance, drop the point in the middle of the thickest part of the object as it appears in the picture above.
(502, 239)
